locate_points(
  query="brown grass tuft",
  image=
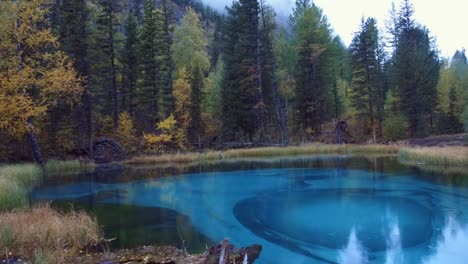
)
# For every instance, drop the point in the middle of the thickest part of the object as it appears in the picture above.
(42, 232)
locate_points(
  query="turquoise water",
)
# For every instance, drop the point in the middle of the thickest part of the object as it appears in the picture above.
(309, 210)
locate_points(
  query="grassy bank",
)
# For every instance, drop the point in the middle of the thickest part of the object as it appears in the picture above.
(17, 180)
(42, 235)
(263, 153)
(434, 156)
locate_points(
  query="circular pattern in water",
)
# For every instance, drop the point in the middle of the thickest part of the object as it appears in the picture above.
(329, 215)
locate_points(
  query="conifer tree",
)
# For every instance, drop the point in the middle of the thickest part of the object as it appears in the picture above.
(70, 20)
(242, 102)
(367, 92)
(164, 28)
(314, 71)
(107, 23)
(270, 86)
(130, 62)
(148, 94)
(417, 69)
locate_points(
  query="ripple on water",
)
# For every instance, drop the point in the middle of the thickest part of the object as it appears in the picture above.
(329, 215)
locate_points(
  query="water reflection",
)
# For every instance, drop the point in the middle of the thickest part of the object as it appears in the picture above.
(451, 247)
(354, 253)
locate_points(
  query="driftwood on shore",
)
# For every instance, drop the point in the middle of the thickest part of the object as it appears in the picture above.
(226, 253)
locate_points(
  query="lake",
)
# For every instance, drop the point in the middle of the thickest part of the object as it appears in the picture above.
(324, 209)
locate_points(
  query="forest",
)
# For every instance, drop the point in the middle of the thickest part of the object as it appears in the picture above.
(177, 75)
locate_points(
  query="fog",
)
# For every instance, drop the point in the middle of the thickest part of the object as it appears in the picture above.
(282, 7)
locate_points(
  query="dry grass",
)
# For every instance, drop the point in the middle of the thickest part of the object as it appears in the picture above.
(435, 156)
(264, 153)
(42, 233)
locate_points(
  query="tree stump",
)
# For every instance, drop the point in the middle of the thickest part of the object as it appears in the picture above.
(340, 132)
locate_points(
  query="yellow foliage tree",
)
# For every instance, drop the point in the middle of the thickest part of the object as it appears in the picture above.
(125, 132)
(34, 75)
(183, 103)
(170, 137)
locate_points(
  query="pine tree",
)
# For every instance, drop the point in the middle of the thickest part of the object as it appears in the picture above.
(366, 83)
(70, 19)
(130, 62)
(417, 74)
(242, 102)
(148, 94)
(299, 10)
(164, 21)
(106, 29)
(270, 85)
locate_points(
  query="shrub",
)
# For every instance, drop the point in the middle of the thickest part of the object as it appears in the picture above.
(171, 137)
(395, 127)
(125, 133)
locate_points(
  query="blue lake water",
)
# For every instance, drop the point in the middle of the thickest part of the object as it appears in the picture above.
(302, 210)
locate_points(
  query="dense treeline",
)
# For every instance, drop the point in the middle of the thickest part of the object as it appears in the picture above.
(162, 75)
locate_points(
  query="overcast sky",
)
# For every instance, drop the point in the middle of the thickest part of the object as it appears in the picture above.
(446, 20)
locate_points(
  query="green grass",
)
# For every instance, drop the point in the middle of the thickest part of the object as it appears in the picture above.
(434, 156)
(15, 183)
(264, 153)
(17, 180)
(66, 166)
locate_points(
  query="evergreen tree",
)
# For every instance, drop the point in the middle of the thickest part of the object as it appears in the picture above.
(148, 94)
(71, 19)
(417, 75)
(107, 23)
(130, 62)
(314, 71)
(366, 87)
(270, 86)
(241, 89)
(299, 10)
(164, 21)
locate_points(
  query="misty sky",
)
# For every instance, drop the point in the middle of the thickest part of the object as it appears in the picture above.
(446, 20)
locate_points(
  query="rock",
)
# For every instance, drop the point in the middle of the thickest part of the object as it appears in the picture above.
(107, 150)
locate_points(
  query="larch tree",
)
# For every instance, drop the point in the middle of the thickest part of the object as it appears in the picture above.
(183, 103)
(189, 53)
(314, 71)
(34, 75)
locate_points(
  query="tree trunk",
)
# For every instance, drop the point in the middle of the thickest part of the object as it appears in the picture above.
(340, 132)
(115, 111)
(36, 149)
